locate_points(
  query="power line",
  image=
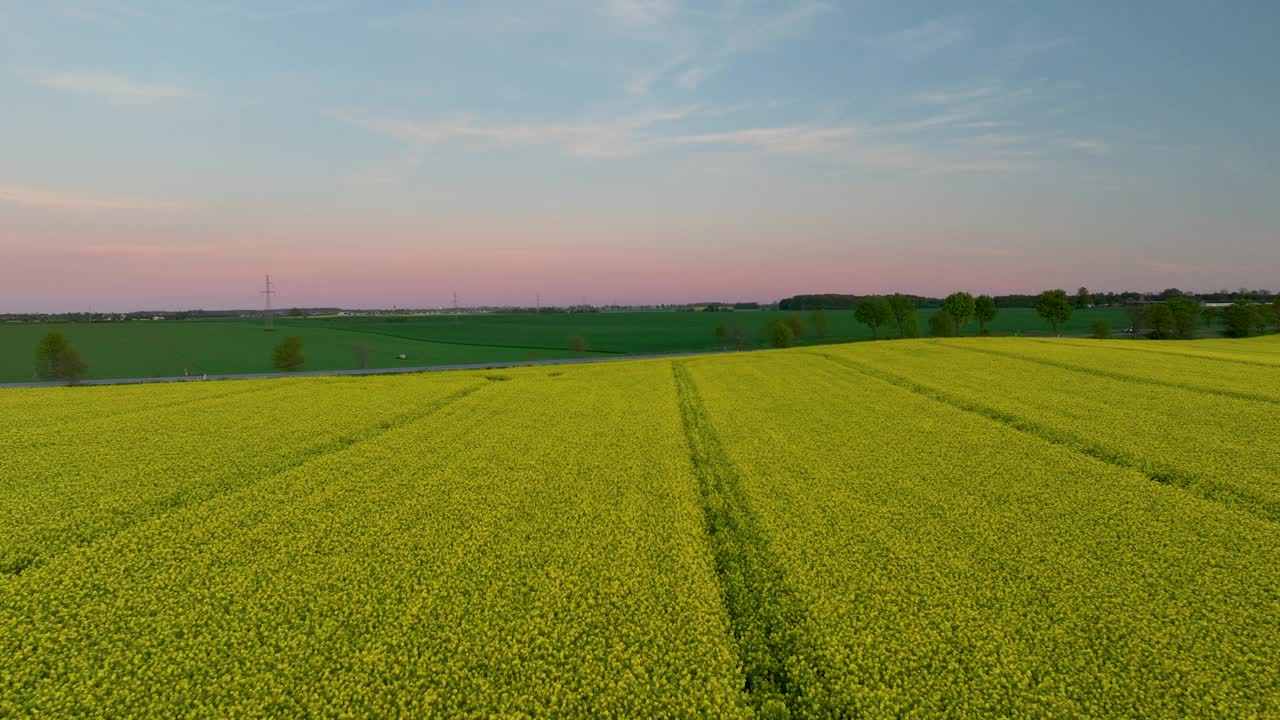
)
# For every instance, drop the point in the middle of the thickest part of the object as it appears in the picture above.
(266, 312)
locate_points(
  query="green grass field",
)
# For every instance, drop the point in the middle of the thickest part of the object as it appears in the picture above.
(171, 348)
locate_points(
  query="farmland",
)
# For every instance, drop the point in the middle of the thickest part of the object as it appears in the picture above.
(1006, 527)
(191, 347)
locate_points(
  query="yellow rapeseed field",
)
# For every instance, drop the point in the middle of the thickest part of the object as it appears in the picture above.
(956, 528)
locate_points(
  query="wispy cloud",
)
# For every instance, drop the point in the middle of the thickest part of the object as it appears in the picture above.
(791, 139)
(744, 35)
(107, 86)
(927, 38)
(36, 197)
(699, 45)
(635, 135)
(1027, 42)
(98, 12)
(1091, 147)
(638, 14)
(613, 138)
(954, 97)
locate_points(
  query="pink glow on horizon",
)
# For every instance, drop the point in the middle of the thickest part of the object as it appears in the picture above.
(72, 272)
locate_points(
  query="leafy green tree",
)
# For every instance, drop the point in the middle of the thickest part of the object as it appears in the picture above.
(295, 312)
(1186, 316)
(780, 334)
(903, 311)
(874, 312)
(1100, 328)
(56, 359)
(820, 322)
(733, 335)
(1138, 319)
(984, 308)
(1243, 318)
(960, 306)
(1160, 320)
(1054, 308)
(941, 324)
(1083, 299)
(796, 324)
(577, 345)
(288, 355)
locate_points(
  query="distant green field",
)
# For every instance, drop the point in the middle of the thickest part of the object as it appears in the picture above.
(650, 332)
(168, 348)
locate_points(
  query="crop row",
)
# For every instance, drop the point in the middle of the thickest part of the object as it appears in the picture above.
(67, 485)
(952, 566)
(1263, 351)
(1212, 445)
(534, 549)
(1118, 361)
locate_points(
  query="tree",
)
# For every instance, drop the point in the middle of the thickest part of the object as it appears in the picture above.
(1160, 320)
(361, 350)
(960, 306)
(1054, 308)
(820, 322)
(1083, 299)
(1186, 316)
(733, 334)
(796, 324)
(903, 311)
(56, 359)
(1243, 319)
(874, 312)
(295, 312)
(1137, 319)
(1100, 328)
(984, 308)
(941, 324)
(780, 334)
(577, 345)
(288, 355)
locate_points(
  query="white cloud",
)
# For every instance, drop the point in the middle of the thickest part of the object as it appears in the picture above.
(1092, 147)
(99, 12)
(776, 139)
(703, 44)
(613, 138)
(927, 38)
(35, 197)
(107, 86)
(638, 14)
(955, 97)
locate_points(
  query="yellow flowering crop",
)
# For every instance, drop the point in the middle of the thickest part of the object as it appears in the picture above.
(960, 528)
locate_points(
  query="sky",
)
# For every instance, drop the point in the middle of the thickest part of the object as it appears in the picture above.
(169, 154)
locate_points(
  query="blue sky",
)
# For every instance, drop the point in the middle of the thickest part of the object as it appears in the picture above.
(169, 153)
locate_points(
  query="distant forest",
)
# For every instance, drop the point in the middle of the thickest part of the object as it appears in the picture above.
(817, 301)
(837, 301)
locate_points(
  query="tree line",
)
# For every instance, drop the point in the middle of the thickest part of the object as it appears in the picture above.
(1081, 298)
(1176, 316)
